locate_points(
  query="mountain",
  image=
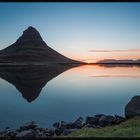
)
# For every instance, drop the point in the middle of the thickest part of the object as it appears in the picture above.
(29, 80)
(30, 48)
(107, 61)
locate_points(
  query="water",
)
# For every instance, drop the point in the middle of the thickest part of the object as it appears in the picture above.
(47, 95)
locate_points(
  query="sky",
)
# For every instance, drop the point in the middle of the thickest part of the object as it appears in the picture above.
(83, 31)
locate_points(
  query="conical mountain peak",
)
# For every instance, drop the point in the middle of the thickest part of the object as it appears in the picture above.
(30, 34)
(30, 48)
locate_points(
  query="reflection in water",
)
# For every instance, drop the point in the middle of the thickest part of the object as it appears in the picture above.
(109, 71)
(72, 94)
(30, 80)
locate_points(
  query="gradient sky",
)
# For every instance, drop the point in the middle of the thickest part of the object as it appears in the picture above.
(82, 31)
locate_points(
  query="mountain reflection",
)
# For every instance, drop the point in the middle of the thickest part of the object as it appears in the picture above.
(30, 80)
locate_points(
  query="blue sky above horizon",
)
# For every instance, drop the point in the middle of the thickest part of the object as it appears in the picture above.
(80, 31)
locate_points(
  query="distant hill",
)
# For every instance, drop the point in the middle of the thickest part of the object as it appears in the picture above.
(106, 61)
(30, 48)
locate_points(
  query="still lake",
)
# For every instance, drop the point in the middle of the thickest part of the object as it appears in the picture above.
(51, 95)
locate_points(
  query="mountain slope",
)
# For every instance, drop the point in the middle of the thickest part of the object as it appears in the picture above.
(30, 47)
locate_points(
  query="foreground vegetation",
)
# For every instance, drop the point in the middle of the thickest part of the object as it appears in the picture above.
(129, 128)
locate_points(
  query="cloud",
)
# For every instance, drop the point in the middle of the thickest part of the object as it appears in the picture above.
(129, 50)
(119, 76)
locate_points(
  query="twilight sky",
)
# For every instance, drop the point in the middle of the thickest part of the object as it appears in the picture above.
(82, 31)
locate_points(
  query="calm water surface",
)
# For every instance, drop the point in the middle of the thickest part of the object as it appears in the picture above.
(54, 95)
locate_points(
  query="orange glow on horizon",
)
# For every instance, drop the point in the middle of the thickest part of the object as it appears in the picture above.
(95, 71)
(96, 59)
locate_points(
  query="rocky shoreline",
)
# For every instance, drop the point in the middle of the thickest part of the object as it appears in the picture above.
(32, 130)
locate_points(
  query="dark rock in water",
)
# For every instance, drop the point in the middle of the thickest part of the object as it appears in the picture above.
(79, 122)
(68, 131)
(56, 125)
(26, 134)
(91, 120)
(7, 127)
(133, 107)
(106, 120)
(29, 125)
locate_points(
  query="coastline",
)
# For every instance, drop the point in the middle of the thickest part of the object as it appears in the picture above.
(32, 129)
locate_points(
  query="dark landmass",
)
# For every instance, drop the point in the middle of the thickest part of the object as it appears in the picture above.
(111, 65)
(31, 49)
(29, 80)
(114, 61)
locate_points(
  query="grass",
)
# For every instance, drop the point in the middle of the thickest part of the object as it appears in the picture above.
(129, 128)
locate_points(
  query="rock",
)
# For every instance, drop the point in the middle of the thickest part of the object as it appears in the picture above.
(37, 131)
(133, 107)
(79, 120)
(29, 125)
(78, 123)
(68, 131)
(106, 120)
(7, 127)
(26, 134)
(67, 125)
(59, 131)
(50, 132)
(118, 119)
(12, 134)
(18, 130)
(98, 126)
(44, 136)
(56, 125)
(92, 120)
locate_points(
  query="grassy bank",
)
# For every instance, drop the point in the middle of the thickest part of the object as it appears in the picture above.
(129, 128)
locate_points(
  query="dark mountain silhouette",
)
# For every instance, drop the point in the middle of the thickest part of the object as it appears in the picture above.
(106, 61)
(30, 80)
(31, 48)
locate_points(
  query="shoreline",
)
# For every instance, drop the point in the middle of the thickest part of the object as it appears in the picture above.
(32, 130)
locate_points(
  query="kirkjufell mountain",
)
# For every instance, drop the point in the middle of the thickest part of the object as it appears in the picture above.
(30, 48)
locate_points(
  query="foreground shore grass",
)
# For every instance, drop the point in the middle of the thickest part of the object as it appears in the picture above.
(129, 128)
